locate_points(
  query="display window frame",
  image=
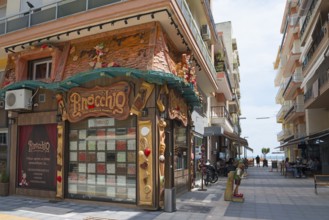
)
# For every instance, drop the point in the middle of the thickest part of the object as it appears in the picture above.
(104, 161)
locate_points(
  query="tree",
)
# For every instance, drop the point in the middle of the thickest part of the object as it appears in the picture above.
(265, 151)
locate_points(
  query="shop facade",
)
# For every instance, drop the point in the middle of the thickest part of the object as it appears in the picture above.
(110, 118)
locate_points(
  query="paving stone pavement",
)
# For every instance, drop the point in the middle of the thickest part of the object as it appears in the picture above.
(268, 195)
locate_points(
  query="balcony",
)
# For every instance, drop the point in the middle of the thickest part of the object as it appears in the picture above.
(209, 13)
(285, 135)
(48, 13)
(196, 33)
(234, 106)
(292, 85)
(288, 134)
(294, 112)
(308, 18)
(320, 40)
(220, 116)
(224, 84)
(278, 97)
(292, 58)
(317, 95)
(282, 112)
(280, 136)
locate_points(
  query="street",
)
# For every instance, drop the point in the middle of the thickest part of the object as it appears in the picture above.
(268, 195)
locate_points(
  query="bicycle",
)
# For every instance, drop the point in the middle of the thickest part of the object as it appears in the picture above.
(210, 174)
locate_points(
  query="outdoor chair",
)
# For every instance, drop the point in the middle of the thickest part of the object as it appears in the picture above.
(288, 172)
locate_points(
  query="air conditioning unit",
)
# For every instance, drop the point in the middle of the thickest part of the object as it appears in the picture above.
(205, 32)
(20, 99)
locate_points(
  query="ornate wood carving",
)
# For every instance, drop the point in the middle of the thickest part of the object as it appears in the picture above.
(100, 101)
(59, 178)
(162, 147)
(140, 101)
(145, 161)
(177, 107)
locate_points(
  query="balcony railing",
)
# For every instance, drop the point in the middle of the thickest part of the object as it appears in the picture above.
(221, 112)
(315, 44)
(283, 110)
(288, 132)
(297, 77)
(48, 13)
(308, 17)
(323, 78)
(280, 135)
(308, 95)
(196, 33)
(297, 107)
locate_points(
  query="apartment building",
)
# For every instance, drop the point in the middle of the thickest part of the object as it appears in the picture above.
(288, 79)
(308, 22)
(224, 132)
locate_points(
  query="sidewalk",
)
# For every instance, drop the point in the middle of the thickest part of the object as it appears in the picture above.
(268, 195)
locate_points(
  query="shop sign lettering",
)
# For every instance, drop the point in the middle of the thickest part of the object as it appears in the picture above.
(99, 101)
(43, 146)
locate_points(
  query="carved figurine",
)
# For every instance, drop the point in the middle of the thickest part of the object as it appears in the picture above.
(237, 179)
(61, 106)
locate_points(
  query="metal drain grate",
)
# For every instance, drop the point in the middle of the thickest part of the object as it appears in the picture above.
(194, 208)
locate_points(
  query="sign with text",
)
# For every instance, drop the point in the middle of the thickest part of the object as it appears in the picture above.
(37, 156)
(99, 101)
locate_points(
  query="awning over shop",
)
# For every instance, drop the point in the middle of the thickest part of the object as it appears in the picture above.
(156, 77)
(235, 137)
(293, 142)
(219, 131)
(213, 131)
(249, 148)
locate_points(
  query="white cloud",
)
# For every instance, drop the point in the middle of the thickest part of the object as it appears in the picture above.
(256, 26)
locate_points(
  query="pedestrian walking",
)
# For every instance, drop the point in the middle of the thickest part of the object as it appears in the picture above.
(258, 161)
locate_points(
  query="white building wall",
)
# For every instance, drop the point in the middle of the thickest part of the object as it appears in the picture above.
(226, 28)
(316, 120)
(200, 122)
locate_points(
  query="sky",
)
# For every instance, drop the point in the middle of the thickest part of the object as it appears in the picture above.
(256, 27)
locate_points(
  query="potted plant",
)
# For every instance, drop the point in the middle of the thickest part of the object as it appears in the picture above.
(4, 184)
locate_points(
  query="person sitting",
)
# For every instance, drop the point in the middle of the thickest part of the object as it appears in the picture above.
(310, 164)
(289, 168)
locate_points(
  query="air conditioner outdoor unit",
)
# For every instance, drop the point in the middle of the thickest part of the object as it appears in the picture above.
(19, 99)
(205, 32)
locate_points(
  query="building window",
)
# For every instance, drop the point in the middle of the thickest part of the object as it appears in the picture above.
(3, 6)
(40, 69)
(3, 151)
(181, 149)
(3, 138)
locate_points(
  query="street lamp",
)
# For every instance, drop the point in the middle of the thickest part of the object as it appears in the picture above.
(263, 118)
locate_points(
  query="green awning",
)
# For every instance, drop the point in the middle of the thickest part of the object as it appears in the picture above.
(155, 77)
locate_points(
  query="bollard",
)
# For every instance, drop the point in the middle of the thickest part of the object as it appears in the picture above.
(170, 200)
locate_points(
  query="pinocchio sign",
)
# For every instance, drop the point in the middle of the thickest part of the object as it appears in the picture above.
(99, 101)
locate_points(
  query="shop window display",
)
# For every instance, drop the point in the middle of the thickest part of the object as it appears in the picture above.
(103, 160)
(180, 148)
